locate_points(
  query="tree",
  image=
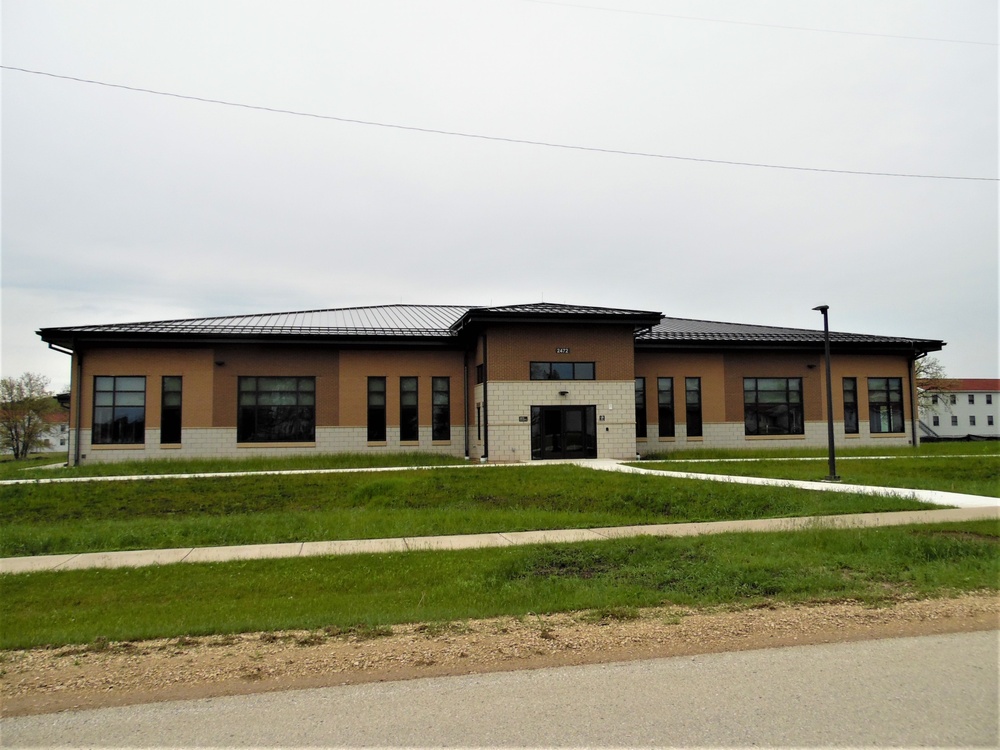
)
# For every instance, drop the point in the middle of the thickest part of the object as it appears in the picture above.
(24, 402)
(932, 383)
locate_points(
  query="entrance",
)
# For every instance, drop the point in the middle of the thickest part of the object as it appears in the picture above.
(563, 432)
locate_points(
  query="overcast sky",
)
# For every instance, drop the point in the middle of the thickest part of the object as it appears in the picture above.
(120, 206)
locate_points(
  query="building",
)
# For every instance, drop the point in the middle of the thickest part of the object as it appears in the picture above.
(56, 434)
(961, 408)
(512, 383)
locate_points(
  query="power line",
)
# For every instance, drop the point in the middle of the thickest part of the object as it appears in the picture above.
(480, 136)
(763, 25)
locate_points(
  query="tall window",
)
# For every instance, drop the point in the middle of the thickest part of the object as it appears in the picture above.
(562, 371)
(972, 398)
(972, 421)
(665, 406)
(851, 406)
(409, 418)
(885, 404)
(989, 398)
(936, 420)
(640, 407)
(276, 410)
(119, 410)
(773, 406)
(170, 410)
(441, 409)
(376, 409)
(954, 421)
(952, 399)
(692, 401)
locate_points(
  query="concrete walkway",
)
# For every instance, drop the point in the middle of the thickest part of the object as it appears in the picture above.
(968, 507)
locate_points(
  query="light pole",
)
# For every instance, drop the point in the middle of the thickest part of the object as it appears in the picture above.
(829, 396)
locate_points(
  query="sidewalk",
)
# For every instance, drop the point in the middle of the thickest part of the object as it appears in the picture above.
(969, 507)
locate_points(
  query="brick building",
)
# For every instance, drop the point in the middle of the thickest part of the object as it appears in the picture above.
(513, 383)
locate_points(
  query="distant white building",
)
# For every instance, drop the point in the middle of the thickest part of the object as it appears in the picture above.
(56, 435)
(962, 408)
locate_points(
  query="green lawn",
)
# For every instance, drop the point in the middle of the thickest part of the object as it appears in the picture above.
(40, 519)
(969, 474)
(377, 591)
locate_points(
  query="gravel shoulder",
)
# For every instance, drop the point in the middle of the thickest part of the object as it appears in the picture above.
(41, 681)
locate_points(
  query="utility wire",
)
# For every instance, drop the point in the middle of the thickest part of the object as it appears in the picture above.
(479, 136)
(764, 25)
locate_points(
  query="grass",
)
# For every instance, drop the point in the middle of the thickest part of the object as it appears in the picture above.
(40, 466)
(38, 519)
(370, 593)
(975, 474)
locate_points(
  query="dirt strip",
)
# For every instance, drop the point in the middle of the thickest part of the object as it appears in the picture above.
(114, 674)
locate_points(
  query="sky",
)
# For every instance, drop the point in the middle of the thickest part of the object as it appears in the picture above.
(502, 152)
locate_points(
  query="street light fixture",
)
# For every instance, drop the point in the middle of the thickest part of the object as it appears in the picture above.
(829, 396)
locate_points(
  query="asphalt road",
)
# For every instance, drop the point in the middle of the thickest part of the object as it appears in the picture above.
(927, 691)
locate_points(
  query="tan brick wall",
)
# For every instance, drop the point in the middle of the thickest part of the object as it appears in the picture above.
(356, 366)
(512, 348)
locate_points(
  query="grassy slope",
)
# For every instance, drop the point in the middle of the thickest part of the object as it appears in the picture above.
(146, 514)
(874, 565)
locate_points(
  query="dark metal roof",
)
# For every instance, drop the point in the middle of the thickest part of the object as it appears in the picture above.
(443, 323)
(383, 320)
(681, 330)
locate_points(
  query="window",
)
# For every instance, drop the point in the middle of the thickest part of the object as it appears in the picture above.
(441, 409)
(480, 374)
(972, 398)
(773, 406)
(972, 421)
(640, 407)
(409, 418)
(885, 404)
(665, 406)
(954, 421)
(276, 410)
(851, 406)
(989, 398)
(692, 401)
(376, 409)
(119, 410)
(562, 370)
(952, 399)
(936, 420)
(989, 420)
(934, 398)
(170, 410)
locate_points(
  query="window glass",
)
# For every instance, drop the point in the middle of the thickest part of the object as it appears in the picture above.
(851, 426)
(170, 410)
(440, 408)
(665, 403)
(376, 409)
(885, 405)
(692, 400)
(409, 419)
(640, 407)
(119, 410)
(276, 410)
(561, 371)
(773, 406)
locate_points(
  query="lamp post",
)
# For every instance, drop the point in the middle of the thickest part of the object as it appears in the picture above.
(829, 395)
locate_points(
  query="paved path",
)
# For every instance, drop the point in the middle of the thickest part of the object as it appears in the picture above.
(968, 507)
(932, 691)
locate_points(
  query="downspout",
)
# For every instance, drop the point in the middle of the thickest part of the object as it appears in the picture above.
(465, 400)
(79, 407)
(486, 408)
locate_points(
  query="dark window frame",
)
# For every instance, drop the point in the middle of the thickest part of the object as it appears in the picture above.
(440, 408)
(885, 406)
(276, 409)
(665, 408)
(171, 409)
(694, 426)
(641, 427)
(852, 417)
(562, 371)
(409, 409)
(116, 421)
(773, 406)
(377, 409)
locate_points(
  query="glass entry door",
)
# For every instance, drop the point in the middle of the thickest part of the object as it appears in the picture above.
(563, 432)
